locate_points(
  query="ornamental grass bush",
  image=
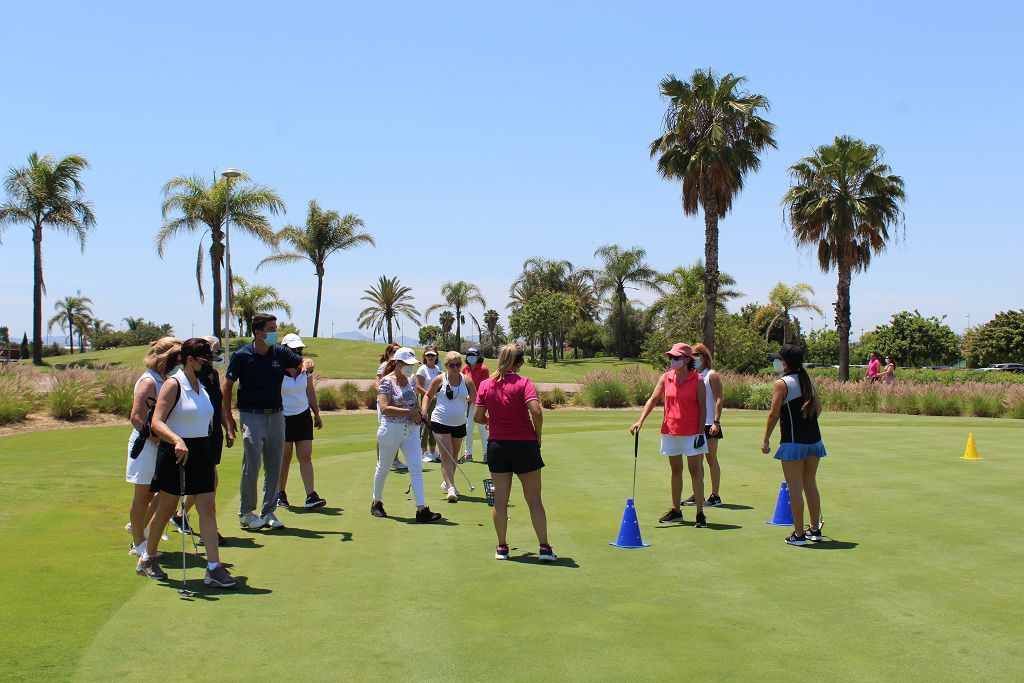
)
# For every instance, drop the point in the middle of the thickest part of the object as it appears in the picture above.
(640, 382)
(328, 397)
(1013, 402)
(348, 395)
(73, 393)
(605, 389)
(117, 391)
(552, 399)
(18, 395)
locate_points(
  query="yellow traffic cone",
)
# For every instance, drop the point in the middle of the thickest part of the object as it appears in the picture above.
(971, 452)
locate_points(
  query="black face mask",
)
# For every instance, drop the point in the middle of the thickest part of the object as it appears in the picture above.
(206, 369)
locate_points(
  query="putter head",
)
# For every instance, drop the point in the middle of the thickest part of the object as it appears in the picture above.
(186, 593)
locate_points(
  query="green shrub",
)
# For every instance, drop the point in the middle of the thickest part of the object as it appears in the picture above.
(640, 382)
(328, 397)
(604, 389)
(734, 389)
(117, 392)
(370, 397)
(18, 395)
(73, 394)
(1013, 401)
(983, 404)
(759, 397)
(348, 395)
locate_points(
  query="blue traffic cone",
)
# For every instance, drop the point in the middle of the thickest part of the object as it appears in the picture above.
(783, 513)
(629, 532)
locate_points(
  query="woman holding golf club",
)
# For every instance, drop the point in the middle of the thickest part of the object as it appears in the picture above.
(160, 360)
(424, 376)
(795, 407)
(399, 429)
(511, 404)
(704, 364)
(385, 358)
(451, 394)
(682, 428)
(184, 462)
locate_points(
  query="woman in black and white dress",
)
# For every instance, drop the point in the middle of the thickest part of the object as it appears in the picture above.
(301, 414)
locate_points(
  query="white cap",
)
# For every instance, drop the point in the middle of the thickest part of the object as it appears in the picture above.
(406, 355)
(293, 341)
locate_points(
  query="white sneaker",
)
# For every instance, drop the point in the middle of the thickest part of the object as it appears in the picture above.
(444, 487)
(426, 457)
(272, 521)
(250, 521)
(453, 495)
(436, 457)
(145, 532)
(138, 550)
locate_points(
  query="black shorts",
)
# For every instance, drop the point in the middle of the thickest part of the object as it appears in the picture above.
(519, 457)
(456, 432)
(299, 427)
(216, 443)
(707, 432)
(199, 468)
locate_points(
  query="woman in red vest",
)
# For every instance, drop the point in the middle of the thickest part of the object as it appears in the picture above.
(682, 428)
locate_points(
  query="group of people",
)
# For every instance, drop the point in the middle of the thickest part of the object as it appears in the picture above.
(877, 374)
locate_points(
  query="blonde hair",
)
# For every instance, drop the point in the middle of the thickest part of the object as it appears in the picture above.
(452, 355)
(163, 354)
(509, 356)
(703, 350)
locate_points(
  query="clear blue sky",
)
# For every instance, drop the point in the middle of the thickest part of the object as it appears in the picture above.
(471, 136)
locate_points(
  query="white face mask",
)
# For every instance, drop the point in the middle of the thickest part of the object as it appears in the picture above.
(677, 363)
(698, 363)
(777, 365)
(408, 370)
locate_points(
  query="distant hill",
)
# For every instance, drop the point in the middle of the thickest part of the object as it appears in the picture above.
(354, 335)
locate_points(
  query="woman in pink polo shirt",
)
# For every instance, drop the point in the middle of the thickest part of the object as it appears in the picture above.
(682, 428)
(509, 402)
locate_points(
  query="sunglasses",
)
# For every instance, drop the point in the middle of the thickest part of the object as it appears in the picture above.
(679, 357)
(454, 365)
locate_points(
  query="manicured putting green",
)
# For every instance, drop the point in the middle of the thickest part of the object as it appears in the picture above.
(921, 581)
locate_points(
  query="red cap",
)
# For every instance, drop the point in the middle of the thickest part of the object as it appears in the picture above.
(680, 349)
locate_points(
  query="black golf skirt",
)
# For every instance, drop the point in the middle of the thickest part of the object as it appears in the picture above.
(519, 457)
(299, 427)
(456, 432)
(199, 468)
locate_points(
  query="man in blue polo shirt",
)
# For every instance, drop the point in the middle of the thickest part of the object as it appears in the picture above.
(258, 368)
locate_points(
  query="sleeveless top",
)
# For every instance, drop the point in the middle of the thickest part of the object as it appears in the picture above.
(451, 412)
(159, 381)
(190, 418)
(682, 412)
(793, 426)
(293, 394)
(709, 397)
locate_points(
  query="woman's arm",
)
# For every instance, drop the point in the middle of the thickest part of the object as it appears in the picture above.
(143, 392)
(536, 416)
(313, 403)
(164, 405)
(431, 392)
(702, 405)
(778, 395)
(471, 388)
(659, 391)
(421, 381)
(717, 391)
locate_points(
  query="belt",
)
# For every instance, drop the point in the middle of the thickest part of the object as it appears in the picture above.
(260, 411)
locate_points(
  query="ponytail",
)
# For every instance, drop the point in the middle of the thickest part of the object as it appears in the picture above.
(509, 357)
(806, 390)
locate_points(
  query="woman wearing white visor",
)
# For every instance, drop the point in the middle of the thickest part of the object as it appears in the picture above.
(301, 414)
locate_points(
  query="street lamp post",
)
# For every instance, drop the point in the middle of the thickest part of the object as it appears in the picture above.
(229, 174)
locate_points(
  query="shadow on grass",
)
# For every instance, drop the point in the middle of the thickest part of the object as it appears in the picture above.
(306, 533)
(533, 558)
(714, 526)
(327, 511)
(412, 520)
(731, 506)
(472, 499)
(237, 542)
(832, 544)
(209, 593)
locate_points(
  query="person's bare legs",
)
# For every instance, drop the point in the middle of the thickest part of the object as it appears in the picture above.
(166, 503)
(676, 463)
(713, 466)
(139, 512)
(794, 473)
(206, 504)
(695, 464)
(286, 463)
(444, 442)
(531, 491)
(456, 445)
(502, 489)
(811, 490)
(304, 454)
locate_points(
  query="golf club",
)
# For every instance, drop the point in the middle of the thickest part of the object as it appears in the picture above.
(184, 591)
(456, 463)
(636, 450)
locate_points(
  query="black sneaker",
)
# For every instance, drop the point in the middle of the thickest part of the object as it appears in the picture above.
(377, 509)
(314, 501)
(425, 515)
(501, 552)
(282, 500)
(671, 516)
(714, 500)
(546, 554)
(793, 539)
(181, 523)
(814, 534)
(701, 522)
(688, 501)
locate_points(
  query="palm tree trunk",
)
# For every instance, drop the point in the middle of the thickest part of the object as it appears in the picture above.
(710, 269)
(458, 329)
(71, 335)
(785, 329)
(620, 332)
(843, 318)
(319, 297)
(391, 338)
(37, 293)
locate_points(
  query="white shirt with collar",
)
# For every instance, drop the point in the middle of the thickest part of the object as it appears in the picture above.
(191, 417)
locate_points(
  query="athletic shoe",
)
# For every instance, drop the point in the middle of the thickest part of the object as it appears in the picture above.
(701, 522)
(426, 457)
(793, 539)
(671, 516)
(150, 569)
(181, 523)
(282, 500)
(453, 495)
(399, 466)
(814, 534)
(688, 501)
(435, 457)
(546, 554)
(250, 521)
(468, 457)
(501, 552)
(444, 487)
(314, 501)
(714, 500)
(145, 532)
(138, 550)
(377, 509)
(425, 515)
(219, 577)
(271, 520)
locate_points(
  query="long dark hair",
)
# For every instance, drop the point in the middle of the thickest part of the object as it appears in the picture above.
(389, 351)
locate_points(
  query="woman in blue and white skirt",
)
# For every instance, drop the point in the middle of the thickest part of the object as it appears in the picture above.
(400, 422)
(795, 407)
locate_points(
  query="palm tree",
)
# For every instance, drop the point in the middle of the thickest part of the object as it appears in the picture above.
(580, 288)
(447, 322)
(458, 296)
(712, 136)
(96, 328)
(843, 200)
(249, 299)
(622, 269)
(72, 312)
(491, 324)
(133, 323)
(325, 232)
(193, 204)
(683, 288)
(46, 193)
(782, 301)
(390, 299)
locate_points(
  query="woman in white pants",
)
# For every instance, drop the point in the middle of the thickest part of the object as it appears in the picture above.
(399, 429)
(454, 393)
(477, 371)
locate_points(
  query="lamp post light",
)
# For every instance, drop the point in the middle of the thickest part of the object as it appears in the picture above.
(229, 174)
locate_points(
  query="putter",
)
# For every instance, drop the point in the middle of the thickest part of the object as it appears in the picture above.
(184, 591)
(456, 463)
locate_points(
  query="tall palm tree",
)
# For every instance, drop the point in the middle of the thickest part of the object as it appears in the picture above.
(458, 296)
(580, 288)
(447, 322)
(249, 299)
(782, 301)
(73, 312)
(325, 232)
(133, 323)
(713, 134)
(623, 269)
(193, 204)
(844, 200)
(683, 288)
(390, 299)
(491, 324)
(46, 193)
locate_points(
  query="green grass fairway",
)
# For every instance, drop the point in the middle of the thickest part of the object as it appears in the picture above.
(345, 359)
(921, 582)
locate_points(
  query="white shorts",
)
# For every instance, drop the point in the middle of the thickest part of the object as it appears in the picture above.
(141, 469)
(683, 445)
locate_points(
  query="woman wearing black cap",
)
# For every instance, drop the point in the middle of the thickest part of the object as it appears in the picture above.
(796, 406)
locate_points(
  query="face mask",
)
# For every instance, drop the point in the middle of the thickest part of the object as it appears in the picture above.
(677, 363)
(698, 363)
(777, 365)
(408, 370)
(471, 360)
(205, 369)
(270, 339)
